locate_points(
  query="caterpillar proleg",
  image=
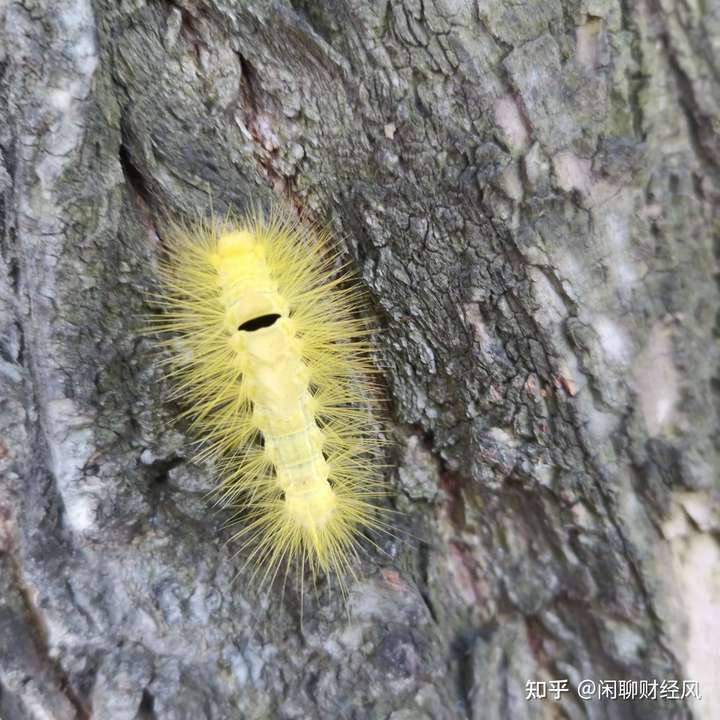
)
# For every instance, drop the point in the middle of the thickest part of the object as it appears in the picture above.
(270, 353)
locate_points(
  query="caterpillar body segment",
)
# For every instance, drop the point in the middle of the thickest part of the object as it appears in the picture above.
(270, 352)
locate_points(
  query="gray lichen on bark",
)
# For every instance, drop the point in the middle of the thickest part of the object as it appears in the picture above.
(530, 192)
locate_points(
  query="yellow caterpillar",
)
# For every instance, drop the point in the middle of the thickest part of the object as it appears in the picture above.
(269, 350)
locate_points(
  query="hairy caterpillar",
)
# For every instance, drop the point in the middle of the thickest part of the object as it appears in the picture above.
(269, 350)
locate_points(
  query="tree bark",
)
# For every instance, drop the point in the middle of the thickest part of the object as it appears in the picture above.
(529, 190)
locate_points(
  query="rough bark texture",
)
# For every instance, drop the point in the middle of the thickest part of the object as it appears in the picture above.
(528, 190)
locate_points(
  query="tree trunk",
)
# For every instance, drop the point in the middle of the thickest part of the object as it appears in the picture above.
(528, 189)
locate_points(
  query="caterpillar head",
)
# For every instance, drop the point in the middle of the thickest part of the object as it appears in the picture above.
(250, 295)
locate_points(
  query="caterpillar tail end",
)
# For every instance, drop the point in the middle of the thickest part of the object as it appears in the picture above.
(311, 511)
